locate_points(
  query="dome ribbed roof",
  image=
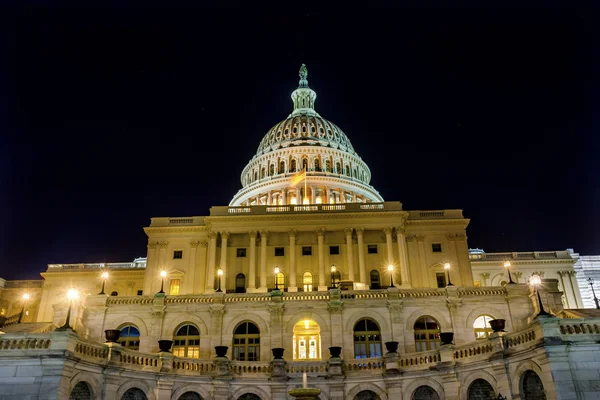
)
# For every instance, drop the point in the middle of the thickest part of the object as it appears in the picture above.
(305, 130)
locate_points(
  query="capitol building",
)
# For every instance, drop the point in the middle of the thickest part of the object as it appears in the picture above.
(308, 272)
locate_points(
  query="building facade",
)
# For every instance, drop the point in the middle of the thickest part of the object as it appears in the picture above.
(307, 271)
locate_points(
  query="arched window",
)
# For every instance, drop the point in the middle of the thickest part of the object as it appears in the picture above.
(338, 168)
(367, 339)
(134, 394)
(367, 395)
(280, 280)
(482, 328)
(427, 334)
(190, 396)
(306, 340)
(317, 165)
(240, 283)
(347, 170)
(130, 337)
(307, 281)
(305, 164)
(255, 175)
(327, 165)
(246, 342)
(425, 393)
(532, 387)
(186, 342)
(374, 275)
(81, 391)
(272, 170)
(293, 169)
(480, 389)
(115, 293)
(249, 396)
(263, 171)
(282, 167)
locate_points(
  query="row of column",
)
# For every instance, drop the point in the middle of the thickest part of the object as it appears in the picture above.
(251, 283)
(280, 197)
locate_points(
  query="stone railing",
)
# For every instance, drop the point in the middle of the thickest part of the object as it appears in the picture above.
(189, 299)
(305, 208)
(128, 301)
(422, 292)
(518, 338)
(363, 294)
(242, 297)
(308, 367)
(140, 360)
(435, 214)
(365, 364)
(91, 350)
(522, 255)
(473, 349)
(488, 291)
(249, 367)
(423, 359)
(18, 342)
(579, 329)
(141, 264)
(193, 365)
(306, 296)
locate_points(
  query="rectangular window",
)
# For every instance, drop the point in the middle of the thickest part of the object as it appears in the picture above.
(177, 254)
(241, 252)
(436, 247)
(306, 251)
(441, 279)
(279, 251)
(372, 249)
(140, 292)
(174, 289)
(333, 250)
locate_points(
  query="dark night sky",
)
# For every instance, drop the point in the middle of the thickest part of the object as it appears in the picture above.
(114, 115)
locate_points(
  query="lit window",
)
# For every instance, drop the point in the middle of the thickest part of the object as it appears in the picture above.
(174, 289)
(436, 247)
(482, 326)
(306, 251)
(333, 250)
(279, 251)
(307, 281)
(280, 280)
(427, 334)
(246, 342)
(367, 339)
(372, 249)
(186, 342)
(241, 252)
(130, 337)
(178, 254)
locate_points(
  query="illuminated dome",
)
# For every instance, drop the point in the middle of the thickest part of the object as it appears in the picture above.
(305, 141)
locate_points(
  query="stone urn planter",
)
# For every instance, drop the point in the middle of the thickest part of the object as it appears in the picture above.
(112, 335)
(165, 345)
(498, 325)
(221, 351)
(447, 337)
(277, 353)
(335, 351)
(391, 347)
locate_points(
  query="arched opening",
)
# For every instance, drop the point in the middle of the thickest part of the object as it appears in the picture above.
(262, 173)
(425, 393)
(307, 340)
(81, 391)
(307, 281)
(186, 342)
(367, 339)
(317, 165)
(281, 167)
(280, 279)
(134, 394)
(481, 326)
(246, 342)
(347, 170)
(374, 275)
(338, 168)
(293, 168)
(427, 334)
(367, 395)
(532, 387)
(305, 164)
(190, 396)
(240, 283)
(114, 293)
(272, 170)
(249, 396)
(480, 389)
(130, 337)
(327, 165)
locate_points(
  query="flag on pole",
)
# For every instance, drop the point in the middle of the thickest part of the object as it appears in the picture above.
(298, 177)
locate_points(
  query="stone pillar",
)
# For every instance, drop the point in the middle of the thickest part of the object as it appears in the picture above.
(390, 247)
(223, 264)
(263, 261)
(361, 256)
(216, 322)
(269, 198)
(283, 197)
(571, 275)
(425, 271)
(326, 199)
(251, 284)
(320, 252)
(451, 237)
(312, 195)
(349, 255)
(210, 271)
(161, 257)
(562, 284)
(151, 269)
(293, 286)
(403, 257)
(200, 284)
(354, 197)
(484, 277)
(189, 283)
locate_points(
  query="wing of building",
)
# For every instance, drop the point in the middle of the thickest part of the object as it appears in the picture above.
(307, 272)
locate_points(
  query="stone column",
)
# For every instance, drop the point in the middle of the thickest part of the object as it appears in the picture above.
(312, 195)
(263, 261)
(151, 269)
(320, 252)
(188, 284)
(389, 246)
(161, 257)
(485, 276)
(251, 284)
(354, 197)
(200, 284)
(403, 257)
(571, 275)
(361, 256)
(269, 198)
(426, 274)
(283, 197)
(293, 287)
(326, 199)
(349, 254)
(223, 264)
(210, 270)
(451, 237)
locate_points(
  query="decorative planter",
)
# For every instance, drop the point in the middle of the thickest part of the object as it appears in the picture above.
(221, 351)
(498, 325)
(277, 353)
(446, 337)
(112, 335)
(335, 351)
(165, 345)
(391, 347)
(304, 393)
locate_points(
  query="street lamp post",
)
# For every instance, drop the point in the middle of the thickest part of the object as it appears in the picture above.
(72, 295)
(507, 266)
(276, 272)
(447, 268)
(391, 271)
(219, 274)
(163, 275)
(104, 277)
(26, 297)
(591, 282)
(333, 269)
(536, 282)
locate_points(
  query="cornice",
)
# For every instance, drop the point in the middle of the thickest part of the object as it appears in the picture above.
(180, 229)
(307, 216)
(429, 222)
(513, 262)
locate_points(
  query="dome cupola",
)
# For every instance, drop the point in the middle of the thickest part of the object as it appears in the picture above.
(305, 159)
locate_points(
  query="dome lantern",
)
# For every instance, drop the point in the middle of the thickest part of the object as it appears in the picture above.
(304, 97)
